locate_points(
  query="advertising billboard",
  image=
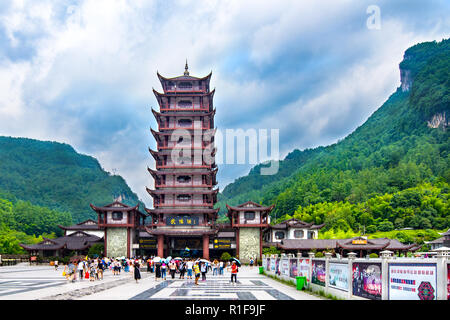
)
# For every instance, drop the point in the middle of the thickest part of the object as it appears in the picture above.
(293, 268)
(284, 267)
(272, 264)
(448, 281)
(367, 280)
(277, 266)
(318, 272)
(412, 281)
(338, 276)
(303, 268)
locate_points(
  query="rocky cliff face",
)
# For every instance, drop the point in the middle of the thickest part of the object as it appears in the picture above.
(439, 120)
(406, 79)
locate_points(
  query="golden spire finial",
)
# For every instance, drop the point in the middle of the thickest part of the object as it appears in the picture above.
(186, 72)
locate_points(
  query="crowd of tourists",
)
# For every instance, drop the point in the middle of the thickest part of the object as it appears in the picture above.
(187, 268)
(93, 269)
(190, 269)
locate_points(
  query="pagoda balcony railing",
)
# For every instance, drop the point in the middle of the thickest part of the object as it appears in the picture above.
(172, 166)
(206, 127)
(179, 108)
(196, 89)
(185, 147)
(204, 204)
(187, 185)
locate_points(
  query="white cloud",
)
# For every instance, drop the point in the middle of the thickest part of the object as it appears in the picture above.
(82, 74)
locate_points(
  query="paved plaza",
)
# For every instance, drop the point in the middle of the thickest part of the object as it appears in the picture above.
(24, 282)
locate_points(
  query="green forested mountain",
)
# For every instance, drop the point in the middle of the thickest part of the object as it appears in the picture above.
(54, 175)
(403, 145)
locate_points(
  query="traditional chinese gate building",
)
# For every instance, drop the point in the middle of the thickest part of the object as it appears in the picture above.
(183, 217)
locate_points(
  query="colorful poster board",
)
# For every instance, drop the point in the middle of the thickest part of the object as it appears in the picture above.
(367, 280)
(303, 268)
(318, 272)
(412, 281)
(284, 266)
(272, 264)
(338, 276)
(277, 266)
(293, 272)
(448, 281)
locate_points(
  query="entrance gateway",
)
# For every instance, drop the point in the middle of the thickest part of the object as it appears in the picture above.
(183, 220)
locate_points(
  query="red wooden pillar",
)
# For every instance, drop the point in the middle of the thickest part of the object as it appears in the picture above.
(128, 243)
(206, 247)
(161, 245)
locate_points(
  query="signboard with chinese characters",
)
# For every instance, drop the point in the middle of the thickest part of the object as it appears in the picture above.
(367, 280)
(222, 243)
(412, 281)
(338, 276)
(181, 220)
(359, 241)
(147, 243)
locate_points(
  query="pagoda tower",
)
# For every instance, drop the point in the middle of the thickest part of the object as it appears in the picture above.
(183, 217)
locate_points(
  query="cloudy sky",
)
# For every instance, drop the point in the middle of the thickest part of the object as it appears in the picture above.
(82, 72)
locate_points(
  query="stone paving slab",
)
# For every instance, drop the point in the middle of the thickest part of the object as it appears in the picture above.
(44, 283)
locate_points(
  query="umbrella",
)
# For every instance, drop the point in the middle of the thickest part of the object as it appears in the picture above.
(156, 259)
(203, 260)
(237, 261)
(177, 258)
(168, 258)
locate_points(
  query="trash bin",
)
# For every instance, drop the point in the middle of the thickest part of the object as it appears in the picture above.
(300, 282)
(261, 270)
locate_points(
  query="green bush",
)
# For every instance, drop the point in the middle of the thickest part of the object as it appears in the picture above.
(319, 255)
(373, 255)
(225, 256)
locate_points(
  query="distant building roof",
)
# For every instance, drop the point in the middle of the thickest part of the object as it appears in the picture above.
(85, 225)
(296, 223)
(76, 241)
(307, 244)
(117, 206)
(250, 205)
(348, 244)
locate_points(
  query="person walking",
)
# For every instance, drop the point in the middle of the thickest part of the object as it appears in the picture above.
(137, 272)
(189, 265)
(234, 271)
(172, 268)
(204, 269)
(71, 271)
(80, 269)
(157, 270)
(251, 263)
(149, 265)
(56, 265)
(92, 271)
(221, 267)
(182, 269)
(197, 272)
(100, 269)
(163, 270)
(215, 267)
